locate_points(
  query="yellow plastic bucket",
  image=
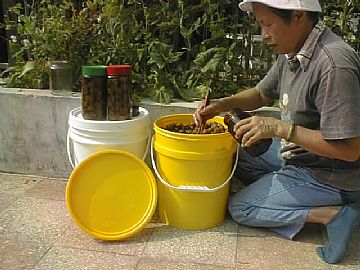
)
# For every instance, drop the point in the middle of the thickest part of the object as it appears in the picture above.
(193, 172)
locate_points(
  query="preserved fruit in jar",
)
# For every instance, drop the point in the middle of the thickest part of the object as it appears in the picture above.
(94, 92)
(119, 90)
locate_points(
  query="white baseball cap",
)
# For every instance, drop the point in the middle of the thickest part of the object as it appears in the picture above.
(306, 5)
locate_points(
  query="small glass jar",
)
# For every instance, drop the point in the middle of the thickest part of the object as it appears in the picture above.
(119, 90)
(94, 92)
(234, 116)
(60, 78)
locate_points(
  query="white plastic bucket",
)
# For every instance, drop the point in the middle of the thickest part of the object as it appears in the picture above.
(89, 136)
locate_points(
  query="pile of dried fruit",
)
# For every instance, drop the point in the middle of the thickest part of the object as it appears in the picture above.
(210, 128)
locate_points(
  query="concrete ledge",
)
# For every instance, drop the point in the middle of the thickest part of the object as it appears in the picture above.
(33, 129)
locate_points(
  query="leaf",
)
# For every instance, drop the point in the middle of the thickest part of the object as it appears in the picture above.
(202, 89)
(28, 66)
(211, 59)
(161, 95)
(162, 54)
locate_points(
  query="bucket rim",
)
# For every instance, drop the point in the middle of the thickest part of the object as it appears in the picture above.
(74, 117)
(176, 135)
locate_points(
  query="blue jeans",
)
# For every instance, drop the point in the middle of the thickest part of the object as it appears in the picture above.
(279, 196)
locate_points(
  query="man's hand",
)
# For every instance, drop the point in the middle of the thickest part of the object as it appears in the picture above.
(202, 114)
(255, 128)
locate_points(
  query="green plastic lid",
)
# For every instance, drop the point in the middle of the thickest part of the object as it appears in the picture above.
(94, 70)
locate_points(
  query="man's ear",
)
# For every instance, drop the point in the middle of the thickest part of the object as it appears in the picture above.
(299, 15)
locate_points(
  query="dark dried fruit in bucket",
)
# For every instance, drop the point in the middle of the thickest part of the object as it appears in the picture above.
(210, 128)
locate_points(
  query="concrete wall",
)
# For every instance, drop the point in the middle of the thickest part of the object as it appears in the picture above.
(33, 129)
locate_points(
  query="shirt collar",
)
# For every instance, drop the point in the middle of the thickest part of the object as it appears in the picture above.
(303, 57)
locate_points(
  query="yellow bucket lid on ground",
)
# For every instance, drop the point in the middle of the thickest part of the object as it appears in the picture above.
(111, 195)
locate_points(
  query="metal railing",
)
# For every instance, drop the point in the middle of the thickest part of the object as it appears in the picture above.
(5, 56)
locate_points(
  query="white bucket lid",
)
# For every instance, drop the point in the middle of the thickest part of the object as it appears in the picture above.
(77, 121)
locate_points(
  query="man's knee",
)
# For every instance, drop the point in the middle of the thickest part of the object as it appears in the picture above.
(241, 212)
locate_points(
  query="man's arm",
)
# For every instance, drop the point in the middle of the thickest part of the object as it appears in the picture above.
(247, 100)
(313, 141)
(255, 128)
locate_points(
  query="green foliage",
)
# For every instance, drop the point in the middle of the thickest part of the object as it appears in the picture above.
(343, 18)
(178, 49)
(49, 32)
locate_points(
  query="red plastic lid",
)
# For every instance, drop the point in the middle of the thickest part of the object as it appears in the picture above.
(119, 70)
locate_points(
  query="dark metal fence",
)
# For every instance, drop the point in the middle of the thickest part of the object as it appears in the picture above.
(3, 37)
(5, 56)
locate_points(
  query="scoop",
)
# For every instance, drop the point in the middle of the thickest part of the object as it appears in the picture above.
(207, 102)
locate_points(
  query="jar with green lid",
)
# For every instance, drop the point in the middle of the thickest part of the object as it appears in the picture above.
(119, 88)
(94, 92)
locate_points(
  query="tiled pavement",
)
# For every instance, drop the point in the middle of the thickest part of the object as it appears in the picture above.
(36, 232)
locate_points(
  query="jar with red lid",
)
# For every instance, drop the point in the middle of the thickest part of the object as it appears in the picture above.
(119, 90)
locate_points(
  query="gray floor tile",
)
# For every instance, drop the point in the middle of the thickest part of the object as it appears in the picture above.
(275, 252)
(310, 233)
(354, 250)
(15, 185)
(35, 228)
(344, 266)
(5, 200)
(156, 264)
(20, 254)
(60, 258)
(32, 219)
(74, 237)
(212, 246)
(48, 189)
(255, 232)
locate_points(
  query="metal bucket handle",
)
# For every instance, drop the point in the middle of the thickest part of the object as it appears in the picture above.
(191, 188)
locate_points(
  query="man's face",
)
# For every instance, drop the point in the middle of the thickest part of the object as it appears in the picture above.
(280, 36)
